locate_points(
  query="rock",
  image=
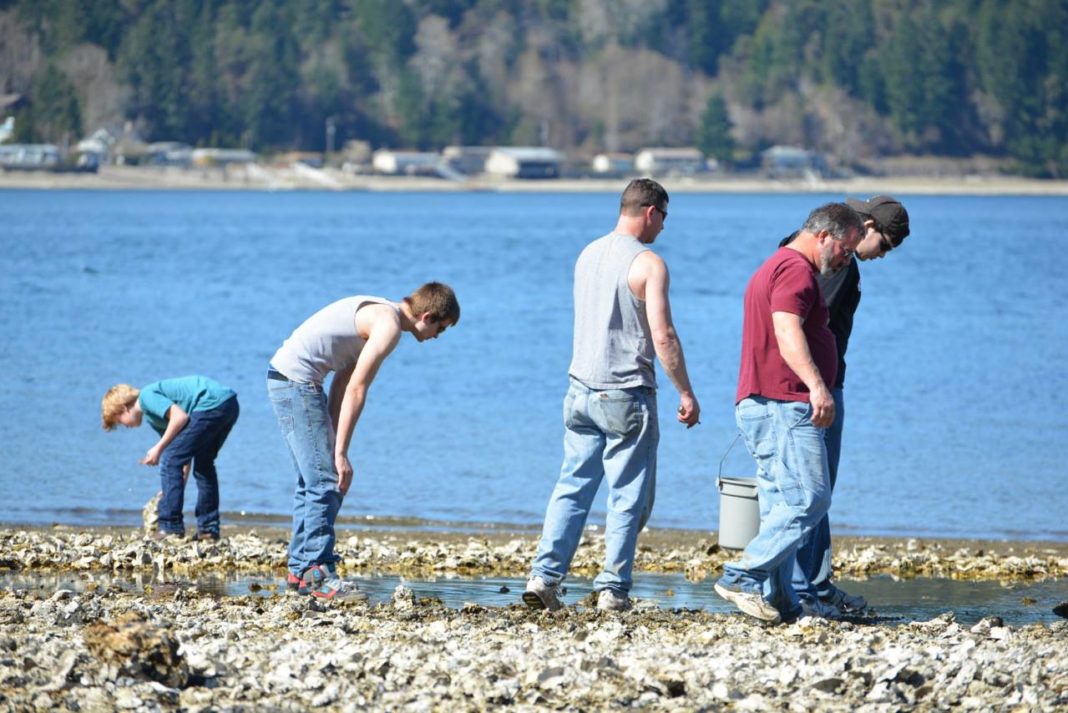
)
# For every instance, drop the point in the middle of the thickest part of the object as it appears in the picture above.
(150, 514)
(139, 649)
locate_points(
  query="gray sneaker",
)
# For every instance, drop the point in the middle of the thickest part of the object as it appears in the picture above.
(750, 603)
(845, 602)
(610, 600)
(540, 595)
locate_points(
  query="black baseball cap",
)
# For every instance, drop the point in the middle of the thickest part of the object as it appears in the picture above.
(891, 218)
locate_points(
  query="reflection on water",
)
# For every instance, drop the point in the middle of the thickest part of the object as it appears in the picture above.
(894, 601)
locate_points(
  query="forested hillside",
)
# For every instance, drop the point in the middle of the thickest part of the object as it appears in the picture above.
(854, 79)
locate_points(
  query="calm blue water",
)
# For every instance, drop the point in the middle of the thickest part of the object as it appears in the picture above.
(956, 421)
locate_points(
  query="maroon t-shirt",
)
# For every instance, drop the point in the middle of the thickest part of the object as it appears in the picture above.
(786, 282)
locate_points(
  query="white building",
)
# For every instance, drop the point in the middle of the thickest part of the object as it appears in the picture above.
(612, 164)
(524, 162)
(791, 161)
(468, 160)
(669, 161)
(169, 153)
(222, 157)
(405, 163)
(29, 157)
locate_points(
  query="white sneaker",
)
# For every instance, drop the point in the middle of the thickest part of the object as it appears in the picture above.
(844, 602)
(610, 600)
(540, 595)
(750, 603)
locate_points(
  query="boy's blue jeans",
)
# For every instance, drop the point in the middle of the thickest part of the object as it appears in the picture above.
(793, 485)
(198, 443)
(305, 422)
(609, 434)
(814, 557)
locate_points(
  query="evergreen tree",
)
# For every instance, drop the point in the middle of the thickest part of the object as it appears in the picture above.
(714, 134)
(269, 102)
(54, 116)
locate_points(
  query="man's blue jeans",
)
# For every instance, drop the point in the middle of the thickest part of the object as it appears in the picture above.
(198, 443)
(609, 434)
(794, 490)
(305, 422)
(814, 567)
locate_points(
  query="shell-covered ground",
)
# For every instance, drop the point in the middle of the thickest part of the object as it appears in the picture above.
(106, 648)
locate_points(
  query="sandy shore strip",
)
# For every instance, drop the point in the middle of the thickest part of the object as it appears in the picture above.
(300, 178)
(177, 648)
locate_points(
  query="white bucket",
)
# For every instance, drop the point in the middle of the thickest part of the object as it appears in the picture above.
(739, 512)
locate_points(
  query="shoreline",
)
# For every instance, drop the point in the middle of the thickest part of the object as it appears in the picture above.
(288, 179)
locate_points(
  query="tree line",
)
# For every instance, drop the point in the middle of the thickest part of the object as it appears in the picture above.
(854, 79)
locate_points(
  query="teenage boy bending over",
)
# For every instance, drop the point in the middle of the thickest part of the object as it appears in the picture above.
(351, 338)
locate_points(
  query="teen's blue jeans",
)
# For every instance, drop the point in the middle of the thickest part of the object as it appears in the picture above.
(197, 444)
(814, 557)
(609, 434)
(793, 485)
(305, 422)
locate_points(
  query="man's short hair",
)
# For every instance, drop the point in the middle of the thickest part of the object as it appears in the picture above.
(437, 299)
(836, 218)
(118, 398)
(640, 193)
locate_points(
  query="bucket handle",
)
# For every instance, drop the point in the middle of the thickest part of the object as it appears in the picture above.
(719, 473)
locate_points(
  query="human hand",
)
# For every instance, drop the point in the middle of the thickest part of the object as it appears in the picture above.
(152, 456)
(822, 408)
(344, 473)
(689, 410)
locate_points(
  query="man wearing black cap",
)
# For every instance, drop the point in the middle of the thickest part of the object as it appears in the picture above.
(886, 225)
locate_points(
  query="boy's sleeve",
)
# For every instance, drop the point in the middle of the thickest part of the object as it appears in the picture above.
(154, 403)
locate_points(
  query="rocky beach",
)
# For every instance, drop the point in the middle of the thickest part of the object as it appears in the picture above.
(157, 642)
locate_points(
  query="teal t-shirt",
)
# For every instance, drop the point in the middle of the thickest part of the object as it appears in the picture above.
(191, 393)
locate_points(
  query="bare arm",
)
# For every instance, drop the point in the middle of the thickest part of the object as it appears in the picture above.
(652, 277)
(795, 352)
(337, 393)
(383, 333)
(176, 420)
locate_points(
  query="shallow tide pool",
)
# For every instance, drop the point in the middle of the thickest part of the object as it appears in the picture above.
(892, 601)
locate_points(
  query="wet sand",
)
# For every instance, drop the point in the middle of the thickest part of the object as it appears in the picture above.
(289, 178)
(174, 647)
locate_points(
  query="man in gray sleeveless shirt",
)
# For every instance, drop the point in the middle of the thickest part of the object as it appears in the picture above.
(349, 338)
(622, 320)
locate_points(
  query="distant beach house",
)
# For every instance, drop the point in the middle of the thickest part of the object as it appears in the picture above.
(29, 157)
(524, 162)
(468, 160)
(314, 159)
(169, 153)
(612, 164)
(205, 158)
(405, 163)
(670, 161)
(791, 162)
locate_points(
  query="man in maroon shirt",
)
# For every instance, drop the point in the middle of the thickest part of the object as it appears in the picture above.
(783, 403)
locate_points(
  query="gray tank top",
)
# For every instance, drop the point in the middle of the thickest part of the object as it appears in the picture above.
(612, 345)
(327, 341)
